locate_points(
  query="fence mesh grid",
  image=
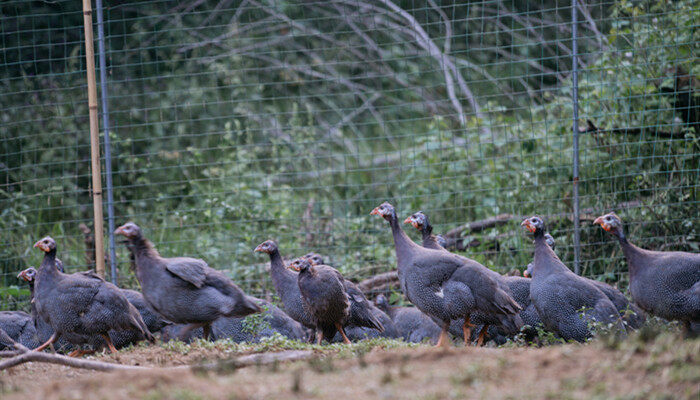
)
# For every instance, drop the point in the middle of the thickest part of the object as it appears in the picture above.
(235, 121)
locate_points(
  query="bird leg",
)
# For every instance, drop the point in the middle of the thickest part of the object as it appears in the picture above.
(482, 335)
(52, 339)
(342, 333)
(207, 331)
(444, 339)
(109, 343)
(467, 330)
(80, 352)
(319, 337)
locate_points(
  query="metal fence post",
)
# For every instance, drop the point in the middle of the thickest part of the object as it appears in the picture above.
(108, 149)
(574, 77)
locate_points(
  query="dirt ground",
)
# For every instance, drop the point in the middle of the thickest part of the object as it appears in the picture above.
(666, 367)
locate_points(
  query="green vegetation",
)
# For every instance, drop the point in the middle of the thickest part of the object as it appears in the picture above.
(285, 122)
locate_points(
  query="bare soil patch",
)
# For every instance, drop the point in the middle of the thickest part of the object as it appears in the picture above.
(667, 367)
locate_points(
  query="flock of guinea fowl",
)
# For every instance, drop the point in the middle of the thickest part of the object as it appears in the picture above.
(452, 294)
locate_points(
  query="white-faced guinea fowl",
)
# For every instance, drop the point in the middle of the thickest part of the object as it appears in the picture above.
(79, 304)
(412, 325)
(324, 296)
(445, 286)
(184, 290)
(662, 283)
(286, 283)
(566, 302)
(363, 313)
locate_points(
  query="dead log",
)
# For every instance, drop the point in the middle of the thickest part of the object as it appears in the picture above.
(22, 355)
(379, 281)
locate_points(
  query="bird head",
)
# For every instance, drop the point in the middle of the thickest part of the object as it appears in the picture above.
(528, 271)
(610, 222)
(381, 301)
(27, 275)
(533, 224)
(129, 230)
(268, 246)
(385, 210)
(418, 220)
(300, 264)
(314, 258)
(46, 244)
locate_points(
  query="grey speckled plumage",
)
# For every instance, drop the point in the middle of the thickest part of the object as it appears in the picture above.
(411, 324)
(508, 325)
(236, 328)
(16, 324)
(565, 301)
(183, 289)
(446, 286)
(632, 315)
(663, 283)
(356, 332)
(80, 304)
(286, 285)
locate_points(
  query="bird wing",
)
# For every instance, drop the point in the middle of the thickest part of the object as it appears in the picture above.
(192, 270)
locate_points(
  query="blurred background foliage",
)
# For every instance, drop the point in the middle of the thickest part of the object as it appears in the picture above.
(235, 121)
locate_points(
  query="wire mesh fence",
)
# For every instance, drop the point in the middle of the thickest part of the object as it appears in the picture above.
(236, 121)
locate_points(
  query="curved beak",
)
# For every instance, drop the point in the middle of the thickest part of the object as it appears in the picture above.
(407, 220)
(527, 225)
(22, 275)
(257, 249)
(526, 274)
(41, 246)
(293, 268)
(601, 222)
(375, 211)
(120, 231)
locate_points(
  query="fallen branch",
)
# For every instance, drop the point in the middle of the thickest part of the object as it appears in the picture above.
(592, 128)
(478, 226)
(254, 359)
(379, 281)
(24, 355)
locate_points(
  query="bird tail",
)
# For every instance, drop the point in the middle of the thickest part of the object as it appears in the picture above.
(138, 323)
(511, 324)
(506, 304)
(245, 305)
(361, 315)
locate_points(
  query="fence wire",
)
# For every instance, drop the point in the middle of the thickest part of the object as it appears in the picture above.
(236, 121)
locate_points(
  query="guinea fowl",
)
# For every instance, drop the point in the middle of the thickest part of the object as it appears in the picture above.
(16, 324)
(565, 301)
(420, 221)
(518, 288)
(446, 286)
(551, 243)
(182, 289)
(663, 283)
(79, 304)
(286, 285)
(412, 325)
(632, 315)
(362, 312)
(324, 295)
(240, 329)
